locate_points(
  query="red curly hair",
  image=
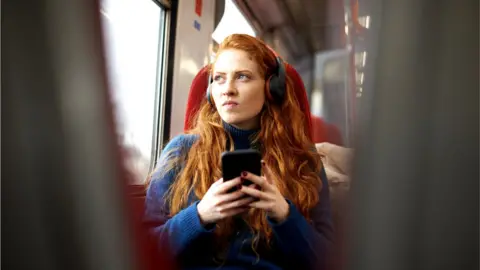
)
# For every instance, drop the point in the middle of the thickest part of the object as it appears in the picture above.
(286, 147)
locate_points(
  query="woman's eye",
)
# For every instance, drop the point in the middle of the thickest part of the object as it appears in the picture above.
(243, 77)
(217, 78)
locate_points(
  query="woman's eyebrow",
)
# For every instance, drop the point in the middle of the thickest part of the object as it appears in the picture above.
(236, 71)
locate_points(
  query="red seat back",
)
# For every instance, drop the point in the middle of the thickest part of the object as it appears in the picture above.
(325, 132)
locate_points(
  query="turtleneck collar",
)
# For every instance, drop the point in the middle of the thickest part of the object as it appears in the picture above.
(241, 138)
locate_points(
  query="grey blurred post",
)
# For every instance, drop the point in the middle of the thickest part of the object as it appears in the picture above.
(416, 185)
(62, 204)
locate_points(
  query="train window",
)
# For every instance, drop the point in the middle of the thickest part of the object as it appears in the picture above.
(133, 33)
(232, 22)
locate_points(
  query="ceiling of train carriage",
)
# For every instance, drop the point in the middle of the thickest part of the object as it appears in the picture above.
(303, 26)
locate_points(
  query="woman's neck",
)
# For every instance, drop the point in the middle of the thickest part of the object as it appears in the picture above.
(241, 138)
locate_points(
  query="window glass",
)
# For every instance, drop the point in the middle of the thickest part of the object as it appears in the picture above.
(132, 33)
(232, 22)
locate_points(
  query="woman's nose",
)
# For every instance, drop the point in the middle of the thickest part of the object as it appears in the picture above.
(229, 88)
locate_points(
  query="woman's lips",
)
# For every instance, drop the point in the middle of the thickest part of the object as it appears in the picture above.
(230, 104)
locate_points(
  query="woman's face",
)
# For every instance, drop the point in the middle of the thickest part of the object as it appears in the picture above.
(238, 89)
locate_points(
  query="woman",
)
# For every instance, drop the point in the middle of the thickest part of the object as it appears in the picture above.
(282, 220)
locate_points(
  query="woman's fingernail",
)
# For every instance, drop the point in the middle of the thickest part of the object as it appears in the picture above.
(244, 174)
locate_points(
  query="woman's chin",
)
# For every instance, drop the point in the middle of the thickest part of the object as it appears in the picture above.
(240, 122)
(231, 120)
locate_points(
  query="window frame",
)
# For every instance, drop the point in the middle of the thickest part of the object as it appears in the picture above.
(160, 99)
(160, 86)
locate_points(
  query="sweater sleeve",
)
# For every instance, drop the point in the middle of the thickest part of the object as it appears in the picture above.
(303, 241)
(177, 232)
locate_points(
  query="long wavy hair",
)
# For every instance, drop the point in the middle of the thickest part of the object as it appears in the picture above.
(285, 146)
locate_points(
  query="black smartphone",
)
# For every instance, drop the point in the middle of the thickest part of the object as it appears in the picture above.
(235, 162)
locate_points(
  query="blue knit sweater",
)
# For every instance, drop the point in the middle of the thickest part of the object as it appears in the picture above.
(297, 243)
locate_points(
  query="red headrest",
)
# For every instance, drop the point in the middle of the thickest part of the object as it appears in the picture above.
(198, 91)
(325, 132)
(199, 87)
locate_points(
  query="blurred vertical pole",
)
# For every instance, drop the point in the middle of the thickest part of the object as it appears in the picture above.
(62, 203)
(350, 81)
(415, 194)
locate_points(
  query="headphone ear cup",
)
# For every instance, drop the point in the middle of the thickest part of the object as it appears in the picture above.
(268, 87)
(276, 88)
(209, 95)
(277, 82)
(209, 89)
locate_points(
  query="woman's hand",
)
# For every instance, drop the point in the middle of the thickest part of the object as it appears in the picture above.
(218, 203)
(269, 197)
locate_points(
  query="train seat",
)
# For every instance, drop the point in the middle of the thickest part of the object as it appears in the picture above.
(325, 132)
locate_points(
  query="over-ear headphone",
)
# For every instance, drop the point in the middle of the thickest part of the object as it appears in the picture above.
(276, 83)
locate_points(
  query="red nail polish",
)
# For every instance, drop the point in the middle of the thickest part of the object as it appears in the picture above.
(244, 174)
